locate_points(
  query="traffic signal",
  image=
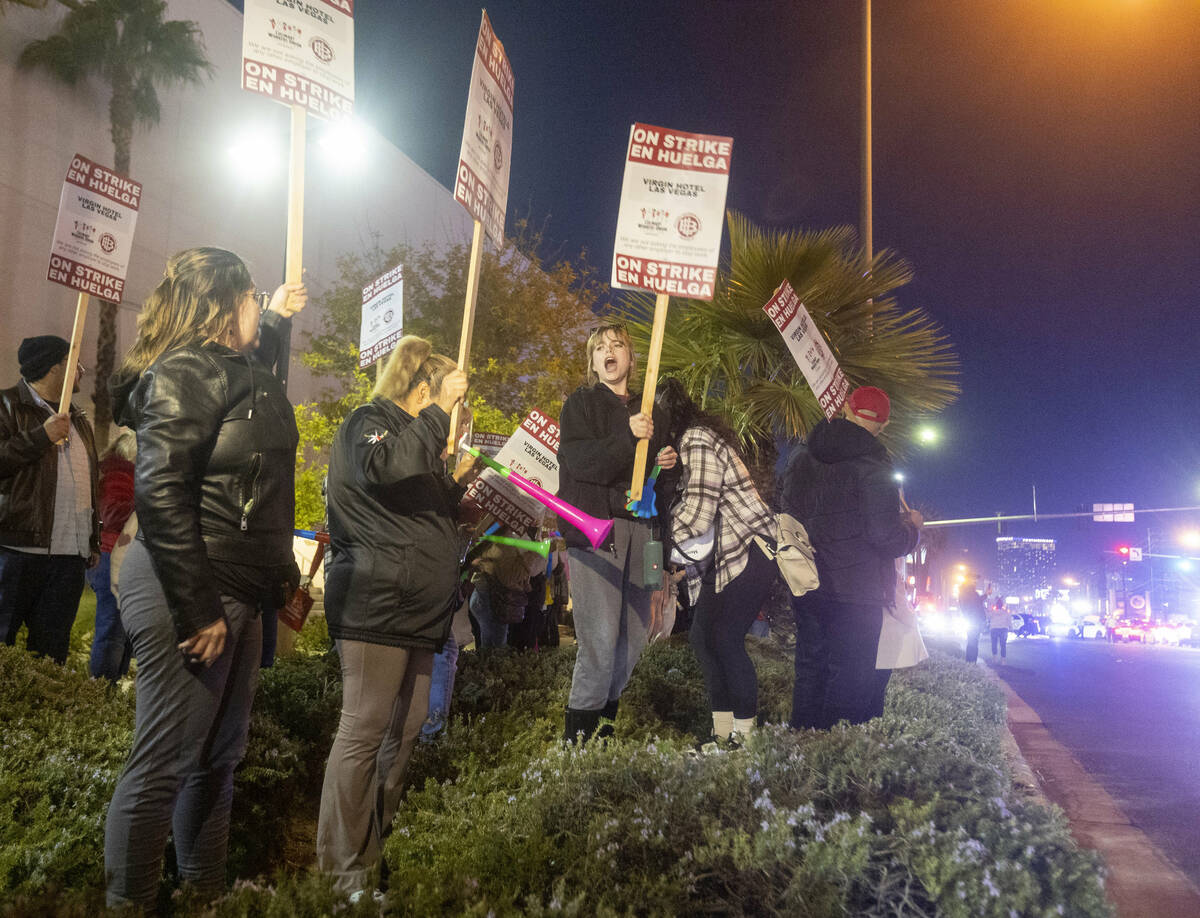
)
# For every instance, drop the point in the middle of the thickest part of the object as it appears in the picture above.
(1123, 551)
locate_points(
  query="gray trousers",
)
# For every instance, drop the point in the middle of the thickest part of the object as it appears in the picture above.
(190, 734)
(612, 616)
(385, 698)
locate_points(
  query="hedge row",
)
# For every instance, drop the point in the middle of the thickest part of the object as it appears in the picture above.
(912, 814)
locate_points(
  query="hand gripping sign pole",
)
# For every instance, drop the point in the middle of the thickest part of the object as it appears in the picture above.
(640, 502)
(293, 263)
(481, 184)
(668, 238)
(468, 325)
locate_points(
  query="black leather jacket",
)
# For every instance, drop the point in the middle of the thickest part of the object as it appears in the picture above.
(29, 470)
(214, 486)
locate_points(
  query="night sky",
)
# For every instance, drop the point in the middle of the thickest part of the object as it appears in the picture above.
(1037, 161)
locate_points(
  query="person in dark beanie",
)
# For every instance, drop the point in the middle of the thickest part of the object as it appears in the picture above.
(841, 486)
(49, 531)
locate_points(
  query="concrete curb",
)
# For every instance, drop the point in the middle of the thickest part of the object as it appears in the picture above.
(1141, 882)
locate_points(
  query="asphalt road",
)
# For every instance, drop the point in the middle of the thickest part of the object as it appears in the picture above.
(1131, 715)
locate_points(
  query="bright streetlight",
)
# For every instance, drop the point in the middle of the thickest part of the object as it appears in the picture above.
(928, 435)
(1190, 538)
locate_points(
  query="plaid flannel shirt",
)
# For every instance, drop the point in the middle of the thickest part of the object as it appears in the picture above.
(715, 480)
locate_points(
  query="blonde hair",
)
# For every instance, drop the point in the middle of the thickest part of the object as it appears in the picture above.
(124, 447)
(622, 333)
(196, 301)
(411, 363)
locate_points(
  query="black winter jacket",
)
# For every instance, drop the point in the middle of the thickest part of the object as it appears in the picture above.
(393, 570)
(596, 452)
(840, 485)
(29, 470)
(214, 482)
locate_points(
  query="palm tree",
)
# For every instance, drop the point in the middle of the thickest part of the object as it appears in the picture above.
(734, 362)
(135, 51)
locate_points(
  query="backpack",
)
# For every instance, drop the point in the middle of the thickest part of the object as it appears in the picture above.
(793, 553)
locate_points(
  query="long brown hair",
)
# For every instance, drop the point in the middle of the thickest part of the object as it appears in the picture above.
(411, 363)
(196, 300)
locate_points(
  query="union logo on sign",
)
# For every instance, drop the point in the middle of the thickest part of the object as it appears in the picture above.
(108, 242)
(688, 225)
(498, 155)
(321, 49)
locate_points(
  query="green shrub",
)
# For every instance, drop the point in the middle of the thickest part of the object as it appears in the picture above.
(911, 814)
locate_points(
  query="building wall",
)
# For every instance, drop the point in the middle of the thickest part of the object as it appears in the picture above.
(194, 191)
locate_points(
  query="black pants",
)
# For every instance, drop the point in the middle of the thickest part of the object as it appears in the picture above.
(836, 647)
(1000, 640)
(41, 592)
(718, 634)
(972, 649)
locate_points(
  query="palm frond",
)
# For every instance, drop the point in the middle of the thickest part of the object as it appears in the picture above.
(734, 362)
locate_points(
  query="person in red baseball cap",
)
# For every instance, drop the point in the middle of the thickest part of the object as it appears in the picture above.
(840, 484)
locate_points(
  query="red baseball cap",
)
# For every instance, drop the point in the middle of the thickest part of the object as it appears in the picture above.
(870, 404)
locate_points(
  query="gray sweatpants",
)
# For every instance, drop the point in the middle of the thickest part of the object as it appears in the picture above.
(385, 699)
(612, 616)
(190, 734)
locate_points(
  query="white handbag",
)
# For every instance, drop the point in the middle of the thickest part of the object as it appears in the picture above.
(697, 549)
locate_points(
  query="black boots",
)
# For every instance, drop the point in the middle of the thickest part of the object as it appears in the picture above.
(580, 725)
(587, 723)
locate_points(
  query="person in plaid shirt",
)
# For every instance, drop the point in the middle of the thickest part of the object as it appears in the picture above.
(729, 586)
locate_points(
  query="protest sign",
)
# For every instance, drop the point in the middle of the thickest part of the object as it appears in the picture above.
(93, 235)
(809, 348)
(531, 452)
(382, 316)
(672, 212)
(301, 52)
(488, 443)
(481, 185)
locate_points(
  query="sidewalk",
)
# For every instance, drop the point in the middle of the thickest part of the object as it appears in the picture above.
(1141, 882)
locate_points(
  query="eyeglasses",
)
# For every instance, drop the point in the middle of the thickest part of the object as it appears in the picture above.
(263, 299)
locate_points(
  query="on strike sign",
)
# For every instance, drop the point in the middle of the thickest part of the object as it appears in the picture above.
(301, 52)
(672, 212)
(93, 236)
(809, 348)
(531, 452)
(382, 316)
(481, 185)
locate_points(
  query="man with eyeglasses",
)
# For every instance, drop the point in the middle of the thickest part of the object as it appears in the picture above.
(49, 530)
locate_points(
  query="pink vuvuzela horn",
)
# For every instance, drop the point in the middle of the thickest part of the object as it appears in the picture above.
(595, 530)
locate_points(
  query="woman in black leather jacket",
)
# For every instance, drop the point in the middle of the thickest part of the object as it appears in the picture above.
(214, 495)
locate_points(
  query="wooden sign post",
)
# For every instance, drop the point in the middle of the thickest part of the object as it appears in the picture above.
(468, 326)
(68, 389)
(293, 263)
(656, 341)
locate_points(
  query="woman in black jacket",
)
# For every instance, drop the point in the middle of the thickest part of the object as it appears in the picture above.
(390, 589)
(214, 495)
(601, 424)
